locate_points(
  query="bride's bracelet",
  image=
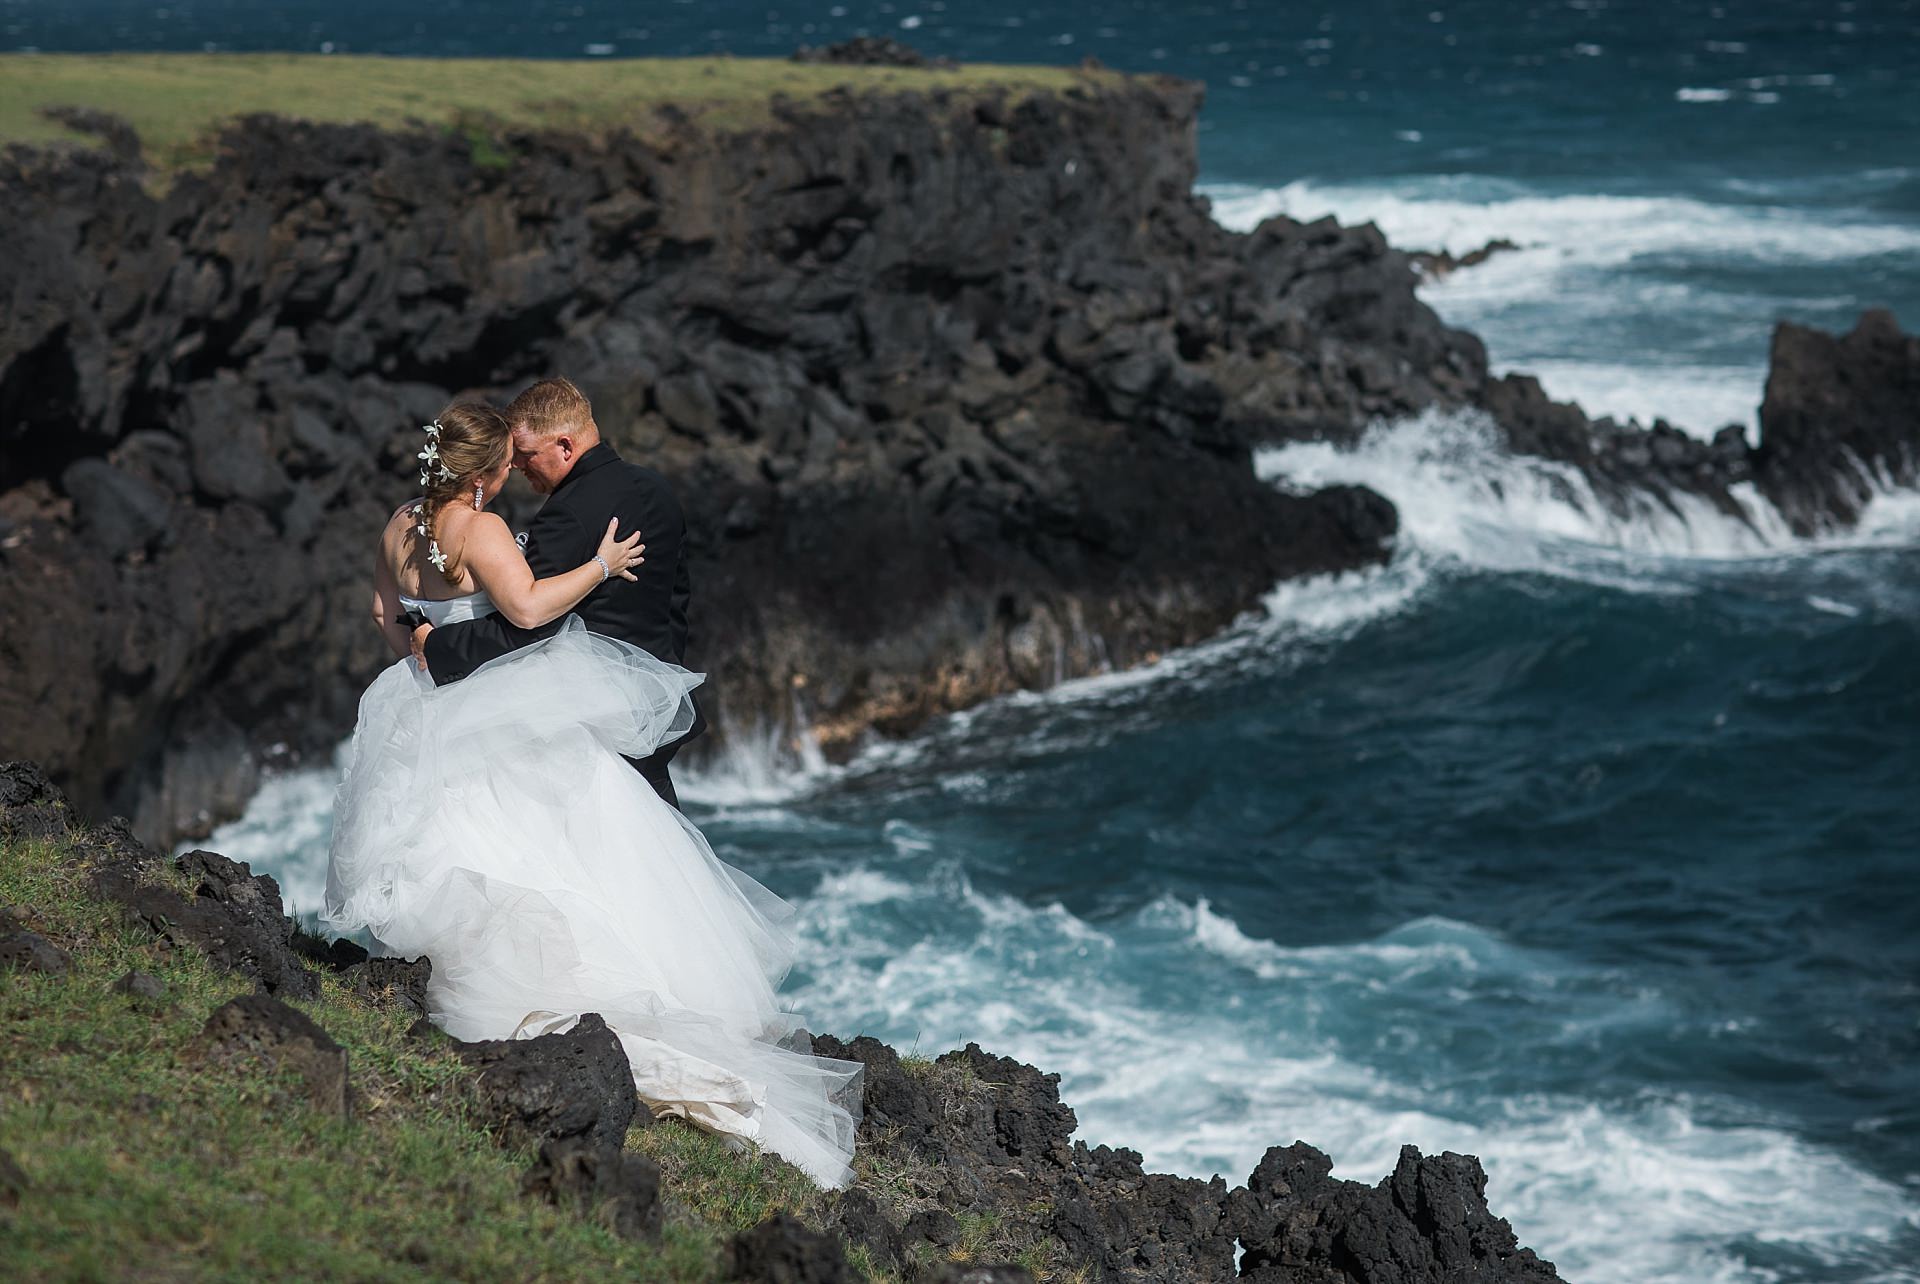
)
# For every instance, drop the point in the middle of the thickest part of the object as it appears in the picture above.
(606, 572)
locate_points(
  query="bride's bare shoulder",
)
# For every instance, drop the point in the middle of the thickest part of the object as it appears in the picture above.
(469, 524)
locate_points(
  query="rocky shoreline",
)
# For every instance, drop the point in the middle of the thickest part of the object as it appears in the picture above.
(959, 389)
(968, 1135)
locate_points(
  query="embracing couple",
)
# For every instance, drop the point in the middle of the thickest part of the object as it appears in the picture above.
(507, 810)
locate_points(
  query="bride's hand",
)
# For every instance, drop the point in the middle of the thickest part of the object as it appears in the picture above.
(621, 553)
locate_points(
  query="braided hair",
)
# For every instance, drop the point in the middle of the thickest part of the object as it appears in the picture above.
(468, 440)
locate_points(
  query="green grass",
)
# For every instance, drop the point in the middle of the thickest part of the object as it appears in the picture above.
(145, 1162)
(177, 102)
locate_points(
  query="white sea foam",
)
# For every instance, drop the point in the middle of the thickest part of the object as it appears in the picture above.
(751, 767)
(284, 832)
(1464, 499)
(1660, 1187)
(1697, 398)
(1461, 215)
(1595, 276)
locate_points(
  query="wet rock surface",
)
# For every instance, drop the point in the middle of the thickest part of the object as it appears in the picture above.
(1858, 393)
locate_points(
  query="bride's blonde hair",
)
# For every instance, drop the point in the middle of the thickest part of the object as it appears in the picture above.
(473, 440)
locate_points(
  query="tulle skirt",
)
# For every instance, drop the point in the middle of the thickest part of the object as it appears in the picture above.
(494, 826)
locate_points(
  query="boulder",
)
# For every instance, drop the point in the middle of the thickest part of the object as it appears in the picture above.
(1840, 420)
(32, 952)
(259, 1028)
(31, 808)
(234, 917)
(571, 1084)
(601, 1182)
(784, 1250)
(140, 985)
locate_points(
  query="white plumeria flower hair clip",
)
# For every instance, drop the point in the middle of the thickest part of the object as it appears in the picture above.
(432, 430)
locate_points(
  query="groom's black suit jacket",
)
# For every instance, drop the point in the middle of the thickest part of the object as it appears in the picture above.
(650, 612)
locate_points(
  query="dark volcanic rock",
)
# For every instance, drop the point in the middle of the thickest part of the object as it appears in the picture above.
(30, 806)
(1438, 263)
(1841, 418)
(957, 389)
(385, 981)
(784, 1250)
(859, 1218)
(601, 1182)
(870, 51)
(575, 1084)
(1428, 1221)
(234, 916)
(987, 1134)
(262, 1028)
(141, 985)
(398, 983)
(32, 952)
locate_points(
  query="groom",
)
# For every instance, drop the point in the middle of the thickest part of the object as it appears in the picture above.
(557, 445)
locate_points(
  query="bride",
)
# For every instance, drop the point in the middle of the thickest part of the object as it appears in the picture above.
(495, 826)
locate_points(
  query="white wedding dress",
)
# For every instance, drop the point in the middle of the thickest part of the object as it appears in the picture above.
(494, 826)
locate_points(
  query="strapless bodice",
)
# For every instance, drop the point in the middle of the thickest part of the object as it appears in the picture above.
(450, 610)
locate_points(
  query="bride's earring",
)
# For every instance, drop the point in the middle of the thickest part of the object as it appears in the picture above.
(476, 497)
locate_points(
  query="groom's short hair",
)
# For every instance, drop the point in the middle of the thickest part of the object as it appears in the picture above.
(552, 406)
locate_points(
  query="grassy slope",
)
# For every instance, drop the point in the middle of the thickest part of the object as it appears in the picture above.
(144, 1163)
(177, 101)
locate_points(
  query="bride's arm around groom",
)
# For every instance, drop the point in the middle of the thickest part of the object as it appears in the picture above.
(557, 445)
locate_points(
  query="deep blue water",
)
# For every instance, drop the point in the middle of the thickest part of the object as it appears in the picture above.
(1587, 845)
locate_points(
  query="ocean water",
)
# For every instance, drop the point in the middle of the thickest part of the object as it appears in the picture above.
(1588, 844)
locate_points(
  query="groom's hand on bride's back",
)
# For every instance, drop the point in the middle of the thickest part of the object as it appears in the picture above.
(420, 645)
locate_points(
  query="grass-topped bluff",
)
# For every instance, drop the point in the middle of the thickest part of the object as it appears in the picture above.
(136, 1145)
(177, 103)
(191, 1087)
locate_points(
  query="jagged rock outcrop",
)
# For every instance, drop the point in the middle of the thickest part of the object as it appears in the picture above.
(951, 385)
(234, 916)
(958, 388)
(992, 1134)
(971, 1135)
(1840, 421)
(575, 1083)
(1857, 395)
